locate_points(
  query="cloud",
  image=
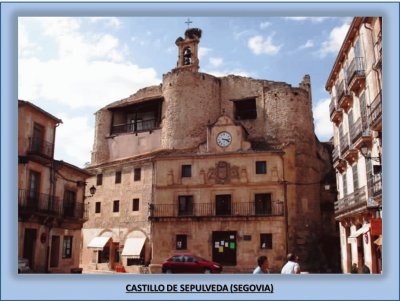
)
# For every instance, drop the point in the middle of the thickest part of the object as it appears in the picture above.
(87, 71)
(241, 34)
(203, 51)
(264, 25)
(259, 45)
(216, 61)
(334, 43)
(226, 72)
(311, 19)
(69, 133)
(323, 125)
(25, 46)
(110, 21)
(308, 44)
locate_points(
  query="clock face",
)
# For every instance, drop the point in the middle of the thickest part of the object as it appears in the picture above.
(224, 139)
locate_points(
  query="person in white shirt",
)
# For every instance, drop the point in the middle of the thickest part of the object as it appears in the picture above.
(262, 266)
(292, 266)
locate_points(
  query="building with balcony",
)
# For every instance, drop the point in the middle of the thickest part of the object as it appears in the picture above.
(355, 85)
(50, 196)
(227, 167)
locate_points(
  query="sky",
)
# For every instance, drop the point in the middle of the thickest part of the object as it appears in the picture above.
(74, 66)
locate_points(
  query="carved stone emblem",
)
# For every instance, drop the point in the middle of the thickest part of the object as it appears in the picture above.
(223, 173)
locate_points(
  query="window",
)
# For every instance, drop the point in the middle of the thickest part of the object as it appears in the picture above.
(261, 167)
(263, 204)
(69, 203)
(185, 205)
(265, 241)
(116, 206)
(98, 207)
(34, 186)
(223, 204)
(186, 171)
(135, 205)
(344, 184)
(67, 247)
(99, 179)
(181, 242)
(137, 174)
(117, 177)
(37, 139)
(245, 109)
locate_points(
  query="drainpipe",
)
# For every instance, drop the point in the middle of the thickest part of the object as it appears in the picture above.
(285, 183)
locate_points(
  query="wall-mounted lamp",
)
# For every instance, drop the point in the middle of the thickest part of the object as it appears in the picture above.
(92, 191)
(367, 153)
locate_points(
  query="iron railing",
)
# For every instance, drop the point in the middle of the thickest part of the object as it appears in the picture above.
(376, 108)
(344, 143)
(135, 127)
(356, 68)
(209, 210)
(40, 203)
(335, 154)
(356, 130)
(377, 184)
(341, 91)
(41, 147)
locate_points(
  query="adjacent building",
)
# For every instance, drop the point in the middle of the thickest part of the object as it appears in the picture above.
(355, 85)
(227, 167)
(50, 196)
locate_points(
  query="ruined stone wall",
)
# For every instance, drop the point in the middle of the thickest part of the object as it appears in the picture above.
(191, 100)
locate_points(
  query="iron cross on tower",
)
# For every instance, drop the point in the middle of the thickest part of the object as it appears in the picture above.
(188, 22)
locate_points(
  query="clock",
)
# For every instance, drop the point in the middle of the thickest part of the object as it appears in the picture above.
(224, 139)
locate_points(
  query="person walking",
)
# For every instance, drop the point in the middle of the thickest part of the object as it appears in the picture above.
(292, 266)
(262, 266)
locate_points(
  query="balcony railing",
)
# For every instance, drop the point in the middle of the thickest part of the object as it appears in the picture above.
(332, 107)
(356, 130)
(355, 69)
(41, 147)
(45, 204)
(377, 184)
(335, 154)
(352, 201)
(341, 90)
(135, 127)
(344, 143)
(375, 114)
(209, 210)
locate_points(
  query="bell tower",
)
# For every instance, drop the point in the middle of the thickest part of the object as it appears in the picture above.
(188, 50)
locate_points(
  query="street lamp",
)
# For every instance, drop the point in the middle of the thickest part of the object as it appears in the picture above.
(92, 191)
(367, 153)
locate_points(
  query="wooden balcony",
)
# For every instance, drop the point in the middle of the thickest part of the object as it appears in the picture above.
(356, 75)
(206, 210)
(375, 115)
(351, 202)
(135, 127)
(343, 96)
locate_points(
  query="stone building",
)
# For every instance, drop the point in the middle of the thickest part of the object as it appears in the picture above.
(355, 85)
(227, 167)
(50, 196)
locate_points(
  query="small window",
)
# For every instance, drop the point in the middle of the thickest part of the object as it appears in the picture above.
(99, 179)
(135, 205)
(355, 176)
(116, 206)
(137, 172)
(245, 109)
(261, 167)
(98, 207)
(266, 241)
(181, 242)
(186, 171)
(67, 247)
(118, 177)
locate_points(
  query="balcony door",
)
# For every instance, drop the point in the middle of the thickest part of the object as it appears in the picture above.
(223, 204)
(33, 190)
(263, 204)
(37, 137)
(30, 236)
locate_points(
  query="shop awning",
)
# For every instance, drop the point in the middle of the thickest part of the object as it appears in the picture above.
(378, 241)
(133, 247)
(98, 242)
(362, 230)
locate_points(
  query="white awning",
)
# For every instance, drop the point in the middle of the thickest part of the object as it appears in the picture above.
(98, 242)
(133, 247)
(362, 230)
